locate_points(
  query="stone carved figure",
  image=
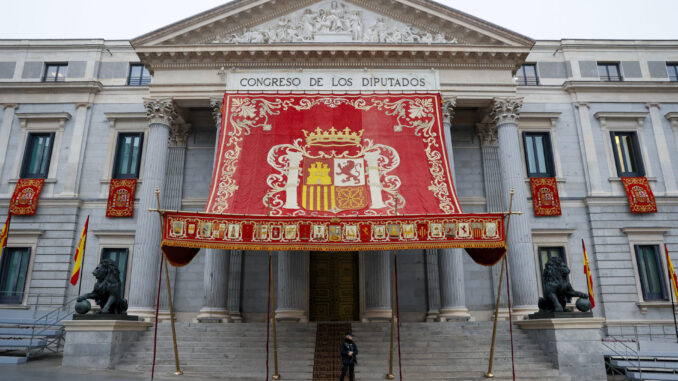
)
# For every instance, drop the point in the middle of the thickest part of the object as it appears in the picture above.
(107, 290)
(557, 288)
(334, 17)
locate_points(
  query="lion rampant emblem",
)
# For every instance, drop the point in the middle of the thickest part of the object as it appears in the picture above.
(107, 291)
(557, 288)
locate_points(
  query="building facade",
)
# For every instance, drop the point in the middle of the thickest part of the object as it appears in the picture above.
(587, 112)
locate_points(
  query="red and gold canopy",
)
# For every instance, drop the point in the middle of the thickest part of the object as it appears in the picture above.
(332, 172)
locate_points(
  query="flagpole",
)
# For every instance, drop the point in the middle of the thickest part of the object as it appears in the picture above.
(673, 306)
(82, 261)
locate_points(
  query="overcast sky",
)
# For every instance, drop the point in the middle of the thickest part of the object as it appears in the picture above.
(538, 19)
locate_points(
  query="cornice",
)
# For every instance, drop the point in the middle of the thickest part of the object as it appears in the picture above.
(629, 87)
(91, 87)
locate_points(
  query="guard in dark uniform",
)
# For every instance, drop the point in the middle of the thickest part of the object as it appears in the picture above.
(349, 357)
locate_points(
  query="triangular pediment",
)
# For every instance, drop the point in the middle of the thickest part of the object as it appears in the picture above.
(304, 22)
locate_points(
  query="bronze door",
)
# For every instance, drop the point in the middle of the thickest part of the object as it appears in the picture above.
(334, 286)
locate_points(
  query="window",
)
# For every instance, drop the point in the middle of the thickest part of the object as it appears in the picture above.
(627, 154)
(538, 155)
(37, 155)
(545, 253)
(609, 72)
(672, 68)
(128, 156)
(527, 75)
(55, 72)
(138, 75)
(13, 273)
(119, 257)
(651, 272)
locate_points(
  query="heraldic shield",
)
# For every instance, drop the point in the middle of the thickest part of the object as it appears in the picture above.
(333, 185)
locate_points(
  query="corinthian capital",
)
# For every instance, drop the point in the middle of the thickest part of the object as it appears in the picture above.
(488, 133)
(448, 109)
(505, 110)
(161, 110)
(178, 135)
(215, 105)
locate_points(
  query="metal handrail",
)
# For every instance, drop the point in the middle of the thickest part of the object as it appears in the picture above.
(51, 320)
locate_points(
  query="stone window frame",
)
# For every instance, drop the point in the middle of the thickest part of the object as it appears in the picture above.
(647, 236)
(117, 239)
(29, 239)
(132, 122)
(551, 238)
(542, 122)
(41, 123)
(624, 122)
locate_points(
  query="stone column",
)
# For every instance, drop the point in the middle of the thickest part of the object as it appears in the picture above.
(76, 150)
(450, 261)
(5, 129)
(663, 150)
(378, 285)
(217, 261)
(234, 281)
(432, 285)
(174, 184)
(489, 148)
(522, 269)
(146, 260)
(292, 286)
(592, 169)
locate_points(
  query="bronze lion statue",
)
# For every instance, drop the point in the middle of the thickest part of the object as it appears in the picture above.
(557, 288)
(107, 291)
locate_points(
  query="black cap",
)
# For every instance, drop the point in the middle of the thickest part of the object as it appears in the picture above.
(348, 334)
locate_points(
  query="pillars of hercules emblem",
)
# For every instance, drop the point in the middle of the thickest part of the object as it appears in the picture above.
(146, 260)
(374, 182)
(451, 261)
(293, 286)
(292, 180)
(522, 269)
(489, 148)
(378, 284)
(217, 261)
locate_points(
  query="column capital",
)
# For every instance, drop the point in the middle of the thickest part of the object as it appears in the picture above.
(650, 105)
(10, 105)
(161, 110)
(505, 110)
(83, 104)
(449, 103)
(488, 133)
(178, 135)
(216, 104)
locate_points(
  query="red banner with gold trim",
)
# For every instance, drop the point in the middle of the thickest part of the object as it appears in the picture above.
(121, 198)
(24, 201)
(639, 193)
(545, 197)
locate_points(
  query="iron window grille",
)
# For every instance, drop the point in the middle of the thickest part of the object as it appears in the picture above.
(37, 156)
(609, 72)
(627, 155)
(651, 273)
(128, 155)
(672, 69)
(138, 75)
(55, 72)
(538, 154)
(527, 75)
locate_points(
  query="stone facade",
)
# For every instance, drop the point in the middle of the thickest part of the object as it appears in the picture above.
(489, 112)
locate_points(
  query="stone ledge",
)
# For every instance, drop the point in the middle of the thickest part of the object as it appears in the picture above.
(104, 325)
(565, 323)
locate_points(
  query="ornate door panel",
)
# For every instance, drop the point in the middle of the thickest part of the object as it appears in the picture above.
(334, 286)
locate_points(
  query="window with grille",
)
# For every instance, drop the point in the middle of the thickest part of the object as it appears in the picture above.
(138, 75)
(37, 155)
(609, 72)
(527, 75)
(55, 72)
(627, 155)
(538, 154)
(672, 68)
(13, 274)
(128, 155)
(651, 272)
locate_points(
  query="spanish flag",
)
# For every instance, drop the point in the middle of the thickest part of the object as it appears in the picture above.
(4, 234)
(587, 272)
(672, 272)
(79, 254)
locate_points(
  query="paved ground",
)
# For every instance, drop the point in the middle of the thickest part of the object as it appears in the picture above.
(48, 368)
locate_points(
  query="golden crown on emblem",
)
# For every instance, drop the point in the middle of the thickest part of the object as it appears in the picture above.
(333, 137)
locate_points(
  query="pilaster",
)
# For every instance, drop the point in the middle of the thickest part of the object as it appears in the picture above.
(75, 151)
(663, 150)
(592, 168)
(522, 270)
(5, 129)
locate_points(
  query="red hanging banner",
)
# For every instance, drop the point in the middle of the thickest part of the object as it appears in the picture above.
(121, 198)
(545, 197)
(639, 193)
(24, 201)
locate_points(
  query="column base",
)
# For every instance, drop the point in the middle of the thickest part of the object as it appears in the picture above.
(521, 312)
(145, 314)
(454, 314)
(432, 316)
(236, 317)
(502, 315)
(376, 315)
(291, 315)
(213, 315)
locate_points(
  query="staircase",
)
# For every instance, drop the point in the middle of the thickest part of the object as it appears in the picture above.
(25, 334)
(431, 352)
(641, 360)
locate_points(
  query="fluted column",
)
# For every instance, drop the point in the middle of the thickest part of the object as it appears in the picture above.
(234, 282)
(489, 148)
(292, 286)
(378, 285)
(432, 285)
(146, 259)
(450, 261)
(217, 261)
(522, 269)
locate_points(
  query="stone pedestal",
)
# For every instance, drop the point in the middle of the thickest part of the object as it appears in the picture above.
(573, 344)
(99, 344)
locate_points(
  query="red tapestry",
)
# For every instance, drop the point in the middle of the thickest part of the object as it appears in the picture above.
(24, 201)
(185, 229)
(639, 193)
(545, 197)
(332, 155)
(121, 198)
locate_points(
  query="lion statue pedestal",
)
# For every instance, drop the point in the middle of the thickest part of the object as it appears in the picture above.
(107, 293)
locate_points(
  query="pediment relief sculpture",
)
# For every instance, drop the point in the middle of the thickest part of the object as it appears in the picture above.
(335, 21)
